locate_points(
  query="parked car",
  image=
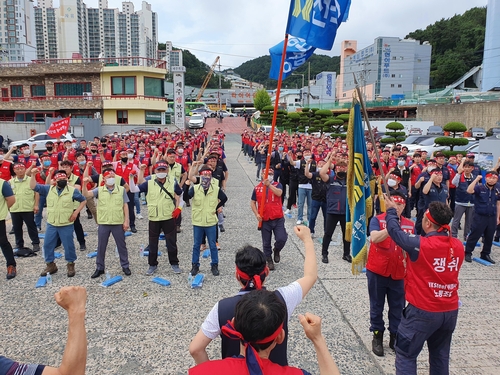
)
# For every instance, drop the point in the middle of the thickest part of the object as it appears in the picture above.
(424, 145)
(40, 139)
(414, 139)
(227, 114)
(415, 131)
(196, 121)
(202, 111)
(478, 133)
(435, 130)
(493, 131)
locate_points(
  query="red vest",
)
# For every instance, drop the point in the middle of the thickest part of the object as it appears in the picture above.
(273, 207)
(125, 172)
(54, 160)
(183, 160)
(386, 258)
(453, 173)
(431, 283)
(96, 159)
(232, 366)
(108, 154)
(146, 161)
(5, 171)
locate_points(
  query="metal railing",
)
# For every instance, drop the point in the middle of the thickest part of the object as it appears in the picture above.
(105, 61)
(84, 98)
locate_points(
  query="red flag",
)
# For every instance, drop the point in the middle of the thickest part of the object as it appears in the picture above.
(58, 128)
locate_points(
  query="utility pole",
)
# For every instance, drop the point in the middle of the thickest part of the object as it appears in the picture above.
(220, 86)
(308, 82)
(301, 88)
(363, 77)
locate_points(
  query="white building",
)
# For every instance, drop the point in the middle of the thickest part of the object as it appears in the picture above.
(18, 41)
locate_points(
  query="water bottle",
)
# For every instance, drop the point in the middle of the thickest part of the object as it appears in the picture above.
(141, 251)
(49, 279)
(190, 279)
(116, 252)
(43, 251)
(108, 276)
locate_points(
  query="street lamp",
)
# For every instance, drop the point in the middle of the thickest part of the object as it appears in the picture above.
(301, 93)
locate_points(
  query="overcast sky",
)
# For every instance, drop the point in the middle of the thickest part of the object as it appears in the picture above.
(240, 30)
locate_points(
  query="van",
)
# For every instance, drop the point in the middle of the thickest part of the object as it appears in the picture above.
(408, 102)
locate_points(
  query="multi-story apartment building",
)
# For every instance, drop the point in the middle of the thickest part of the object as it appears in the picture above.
(390, 66)
(17, 36)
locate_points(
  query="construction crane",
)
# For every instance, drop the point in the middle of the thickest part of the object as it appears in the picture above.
(207, 79)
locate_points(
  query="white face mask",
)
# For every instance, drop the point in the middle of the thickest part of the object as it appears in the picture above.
(180, 150)
(391, 182)
(1, 157)
(307, 157)
(430, 168)
(141, 153)
(130, 156)
(26, 152)
(270, 177)
(161, 175)
(110, 181)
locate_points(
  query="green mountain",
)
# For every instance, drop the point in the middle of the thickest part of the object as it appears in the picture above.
(257, 70)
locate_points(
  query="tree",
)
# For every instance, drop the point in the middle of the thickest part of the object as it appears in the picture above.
(394, 135)
(261, 100)
(454, 128)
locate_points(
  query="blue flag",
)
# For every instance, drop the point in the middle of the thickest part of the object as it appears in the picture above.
(359, 200)
(317, 21)
(297, 52)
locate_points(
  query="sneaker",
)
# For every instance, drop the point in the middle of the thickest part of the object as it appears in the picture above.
(188, 204)
(133, 230)
(36, 247)
(221, 228)
(179, 230)
(324, 258)
(270, 263)
(11, 272)
(299, 222)
(89, 215)
(194, 270)
(70, 267)
(287, 211)
(39, 229)
(126, 271)
(139, 216)
(313, 235)
(50, 267)
(83, 246)
(218, 246)
(151, 270)
(377, 343)
(215, 269)
(176, 268)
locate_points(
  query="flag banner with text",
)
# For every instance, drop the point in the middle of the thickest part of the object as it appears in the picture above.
(58, 128)
(359, 200)
(297, 52)
(317, 21)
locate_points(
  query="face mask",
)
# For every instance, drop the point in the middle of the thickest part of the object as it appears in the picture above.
(180, 150)
(26, 152)
(110, 181)
(306, 158)
(344, 147)
(82, 163)
(299, 157)
(430, 168)
(162, 175)
(341, 175)
(1, 157)
(93, 151)
(141, 153)
(401, 163)
(47, 163)
(391, 182)
(50, 148)
(124, 160)
(205, 181)
(270, 177)
(153, 147)
(280, 148)
(61, 184)
(130, 156)
(103, 145)
(74, 145)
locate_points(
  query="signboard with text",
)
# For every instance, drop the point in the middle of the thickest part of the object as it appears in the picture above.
(179, 110)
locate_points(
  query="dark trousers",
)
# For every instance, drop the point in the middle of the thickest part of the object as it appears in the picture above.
(481, 226)
(283, 195)
(415, 194)
(5, 245)
(169, 228)
(378, 288)
(418, 222)
(103, 232)
(331, 222)
(131, 208)
(276, 226)
(292, 196)
(453, 194)
(418, 326)
(18, 218)
(315, 207)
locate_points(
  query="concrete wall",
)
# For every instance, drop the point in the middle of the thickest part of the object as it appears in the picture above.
(486, 115)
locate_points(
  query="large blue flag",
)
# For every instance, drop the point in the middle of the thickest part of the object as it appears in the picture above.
(297, 52)
(359, 200)
(317, 21)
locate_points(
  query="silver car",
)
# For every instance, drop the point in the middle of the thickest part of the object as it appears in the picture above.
(196, 122)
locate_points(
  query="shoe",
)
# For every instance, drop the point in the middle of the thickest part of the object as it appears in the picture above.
(176, 268)
(277, 257)
(133, 230)
(11, 272)
(392, 340)
(89, 215)
(468, 257)
(203, 247)
(188, 204)
(194, 270)
(324, 258)
(39, 229)
(270, 263)
(126, 271)
(83, 246)
(179, 230)
(347, 258)
(50, 267)
(97, 273)
(139, 216)
(377, 343)
(487, 258)
(496, 239)
(215, 269)
(221, 228)
(11, 231)
(299, 222)
(36, 247)
(287, 211)
(313, 235)
(70, 267)
(218, 246)
(151, 270)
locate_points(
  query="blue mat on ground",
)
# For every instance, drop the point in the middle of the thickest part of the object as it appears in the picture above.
(128, 234)
(41, 235)
(206, 253)
(482, 261)
(198, 281)
(92, 254)
(162, 236)
(477, 245)
(496, 243)
(113, 280)
(160, 281)
(57, 255)
(42, 281)
(146, 253)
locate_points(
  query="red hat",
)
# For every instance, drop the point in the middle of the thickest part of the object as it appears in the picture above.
(161, 165)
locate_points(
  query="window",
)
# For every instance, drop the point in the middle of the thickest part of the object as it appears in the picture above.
(392, 84)
(394, 57)
(393, 76)
(72, 89)
(123, 86)
(400, 85)
(37, 91)
(122, 117)
(400, 76)
(16, 91)
(401, 58)
(153, 87)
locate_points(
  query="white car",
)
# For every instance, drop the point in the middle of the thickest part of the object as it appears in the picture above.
(40, 139)
(196, 122)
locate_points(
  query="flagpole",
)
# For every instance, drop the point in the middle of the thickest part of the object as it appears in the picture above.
(273, 126)
(372, 138)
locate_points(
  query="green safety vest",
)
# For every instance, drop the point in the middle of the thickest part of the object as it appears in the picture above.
(160, 205)
(176, 171)
(110, 206)
(203, 208)
(60, 207)
(72, 181)
(25, 197)
(3, 203)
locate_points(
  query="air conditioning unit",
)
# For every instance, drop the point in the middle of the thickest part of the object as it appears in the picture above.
(97, 115)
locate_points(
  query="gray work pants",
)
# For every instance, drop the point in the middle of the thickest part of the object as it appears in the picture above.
(103, 233)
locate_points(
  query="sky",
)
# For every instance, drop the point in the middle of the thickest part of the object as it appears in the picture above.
(239, 31)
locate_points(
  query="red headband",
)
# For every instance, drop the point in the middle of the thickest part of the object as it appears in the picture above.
(206, 172)
(19, 166)
(255, 279)
(398, 199)
(442, 227)
(60, 175)
(491, 175)
(107, 173)
(395, 177)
